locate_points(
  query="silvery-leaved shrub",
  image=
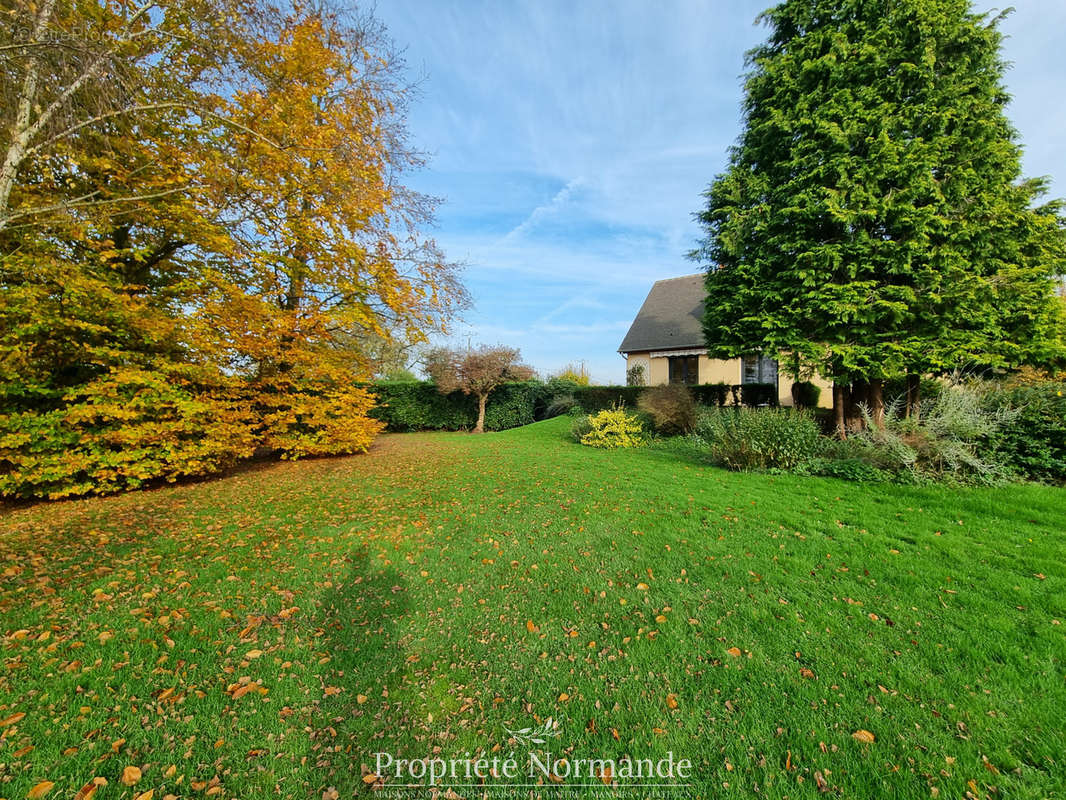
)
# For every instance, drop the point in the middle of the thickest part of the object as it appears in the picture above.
(559, 405)
(942, 442)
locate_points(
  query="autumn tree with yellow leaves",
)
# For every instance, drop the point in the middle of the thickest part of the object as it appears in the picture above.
(199, 236)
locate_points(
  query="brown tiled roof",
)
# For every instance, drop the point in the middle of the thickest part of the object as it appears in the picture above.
(671, 317)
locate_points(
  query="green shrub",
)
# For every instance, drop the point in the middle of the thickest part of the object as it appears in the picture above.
(805, 394)
(1033, 442)
(614, 428)
(745, 439)
(754, 395)
(556, 386)
(417, 405)
(670, 408)
(856, 470)
(713, 394)
(580, 426)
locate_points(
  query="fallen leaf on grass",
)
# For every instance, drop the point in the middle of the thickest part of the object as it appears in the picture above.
(864, 736)
(819, 781)
(606, 776)
(40, 790)
(531, 626)
(130, 775)
(12, 719)
(671, 701)
(734, 651)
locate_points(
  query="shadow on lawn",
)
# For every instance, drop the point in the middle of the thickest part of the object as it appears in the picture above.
(358, 626)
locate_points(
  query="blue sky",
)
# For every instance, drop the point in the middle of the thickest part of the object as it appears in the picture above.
(571, 141)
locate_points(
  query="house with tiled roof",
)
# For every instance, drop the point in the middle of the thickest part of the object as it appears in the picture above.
(666, 340)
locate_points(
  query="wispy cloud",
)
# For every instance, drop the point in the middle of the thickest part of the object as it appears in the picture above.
(554, 206)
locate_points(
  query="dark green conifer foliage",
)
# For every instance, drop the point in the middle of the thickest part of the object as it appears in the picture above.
(873, 218)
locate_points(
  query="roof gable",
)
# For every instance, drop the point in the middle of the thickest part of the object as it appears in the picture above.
(671, 317)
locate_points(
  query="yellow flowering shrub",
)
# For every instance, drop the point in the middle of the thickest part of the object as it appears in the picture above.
(613, 428)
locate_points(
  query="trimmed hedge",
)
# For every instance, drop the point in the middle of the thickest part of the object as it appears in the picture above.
(719, 395)
(596, 398)
(753, 395)
(514, 405)
(418, 406)
(593, 399)
(805, 394)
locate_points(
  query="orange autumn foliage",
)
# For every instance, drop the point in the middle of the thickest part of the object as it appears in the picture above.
(213, 267)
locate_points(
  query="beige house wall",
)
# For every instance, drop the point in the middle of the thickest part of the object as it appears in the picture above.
(716, 370)
(659, 372)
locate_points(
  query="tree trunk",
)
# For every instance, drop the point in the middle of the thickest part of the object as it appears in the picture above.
(839, 418)
(876, 399)
(480, 427)
(22, 130)
(858, 396)
(914, 384)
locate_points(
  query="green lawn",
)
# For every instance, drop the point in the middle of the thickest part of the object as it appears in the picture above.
(265, 634)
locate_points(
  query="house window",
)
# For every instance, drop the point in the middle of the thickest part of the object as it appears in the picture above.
(685, 369)
(759, 369)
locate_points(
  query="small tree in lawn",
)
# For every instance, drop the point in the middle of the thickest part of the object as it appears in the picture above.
(476, 371)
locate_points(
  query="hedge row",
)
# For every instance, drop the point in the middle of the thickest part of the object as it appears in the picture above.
(597, 398)
(417, 405)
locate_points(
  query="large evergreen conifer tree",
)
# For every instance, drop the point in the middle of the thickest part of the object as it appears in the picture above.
(873, 220)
